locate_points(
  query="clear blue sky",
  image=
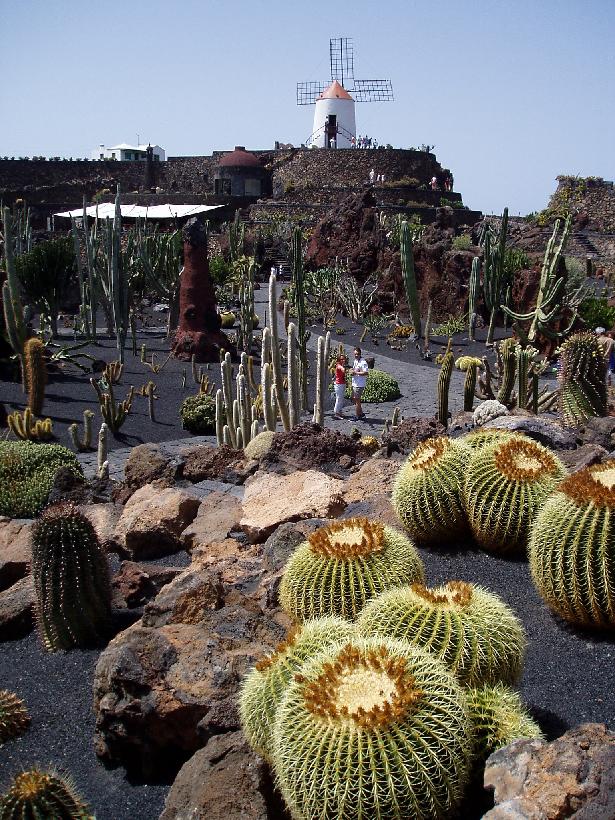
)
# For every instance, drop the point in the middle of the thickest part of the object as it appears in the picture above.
(511, 93)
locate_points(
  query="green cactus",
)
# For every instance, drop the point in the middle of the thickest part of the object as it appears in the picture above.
(572, 548)
(444, 383)
(259, 445)
(264, 687)
(507, 366)
(303, 335)
(583, 392)
(505, 486)
(497, 717)
(373, 728)
(470, 629)
(341, 566)
(27, 473)
(427, 491)
(473, 296)
(14, 717)
(36, 374)
(486, 436)
(494, 274)
(71, 580)
(407, 267)
(42, 796)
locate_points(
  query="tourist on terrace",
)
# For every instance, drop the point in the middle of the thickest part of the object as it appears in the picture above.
(371, 176)
(359, 379)
(340, 385)
(434, 184)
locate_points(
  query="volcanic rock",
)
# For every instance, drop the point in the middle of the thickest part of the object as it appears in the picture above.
(15, 549)
(134, 584)
(146, 464)
(218, 515)
(214, 463)
(410, 432)
(584, 456)
(104, 519)
(544, 431)
(374, 477)
(16, 609)
(311, 447)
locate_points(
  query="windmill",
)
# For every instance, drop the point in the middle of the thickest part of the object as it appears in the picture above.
(334, 117)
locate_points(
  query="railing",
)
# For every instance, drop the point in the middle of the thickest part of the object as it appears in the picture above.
(322, 130)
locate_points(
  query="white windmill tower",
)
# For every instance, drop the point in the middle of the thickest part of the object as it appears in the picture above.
(334, 115)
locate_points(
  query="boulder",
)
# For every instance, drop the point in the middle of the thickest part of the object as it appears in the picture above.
(104, 519)
(217, 516)
(583, 456)
(134, 584)
(153, 520)
(15, 549)
(376, 508)
(374, 477)
(410, 432)
(544, 431)
(147, 463)
(215, 463)
(16, 609)
(271, 500)
(574, 776)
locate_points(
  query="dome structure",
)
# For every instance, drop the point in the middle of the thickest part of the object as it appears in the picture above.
(239, 158)
(240, 174)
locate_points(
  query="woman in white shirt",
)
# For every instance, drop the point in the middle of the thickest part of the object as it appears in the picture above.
(359, 378)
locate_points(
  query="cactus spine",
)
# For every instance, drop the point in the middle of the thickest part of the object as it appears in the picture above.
(444, 383)
(407, 266)
(473, 297)
(294, 404)
(38, 794)
(507, 366)
(71, 580)
(14, 717)
(524, 360)
(36, 374)
(583, 392)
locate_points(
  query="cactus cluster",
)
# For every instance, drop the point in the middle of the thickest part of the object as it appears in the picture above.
(27, 473)
(71, 580)
(14, 717)
(572, 548)
(45, 795)
(341, 566)
(470, 629)
(582, 379)
(506, 483)
(427, 491)
(263, 689)
(28, 428)
(372, 728)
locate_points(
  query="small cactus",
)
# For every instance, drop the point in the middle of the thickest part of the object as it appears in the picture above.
(46, 795)
(470, 629)
(36, 374)
(14, 717)
(341, 566)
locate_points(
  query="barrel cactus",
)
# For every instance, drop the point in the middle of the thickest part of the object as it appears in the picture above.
(498, 717)
(14, 717)
(38, 794)
(372, 728)
(71, 580)
(470, 629)
(341, 566)
(582, 379)
(485, 436)
(572, 548)
(505, 486)
(264, 687)
(427, 491)
(27, 473)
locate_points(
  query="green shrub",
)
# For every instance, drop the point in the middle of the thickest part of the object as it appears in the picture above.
(463, 242)
(198, 414)
(379, 387)
(27, 473)
(597, 313)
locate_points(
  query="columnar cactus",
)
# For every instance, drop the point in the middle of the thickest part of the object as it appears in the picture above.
(507, 359)
(572, 548)
(266, 684)
(38, 794)
(473, 296)
(505, 486)
(470, 365)
(427, 491)
(470, 629)
(14, 717)
(71, 580)
(582, 378)
(444, 383)
(407, 267)
(36, 374)
(341, 566)
(372, 728)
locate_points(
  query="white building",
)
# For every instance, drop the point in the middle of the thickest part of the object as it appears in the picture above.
(334, 119)
(125, 152)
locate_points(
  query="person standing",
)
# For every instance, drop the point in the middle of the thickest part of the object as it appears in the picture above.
(372, 174)
(340, 386)
(359, 379)
(607, 344)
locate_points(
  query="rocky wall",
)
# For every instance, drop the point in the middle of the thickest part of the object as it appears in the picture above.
(591, 200)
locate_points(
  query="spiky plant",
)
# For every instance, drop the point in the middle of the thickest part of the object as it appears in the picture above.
(427, 491)
(498, 716)
(471, 630)
(265, 685)
(572, 548)
(341, 566)
(71, 580)
(42, 796)
(14, 717)
(477, 439)
(372, 728)
(36, 374)
(506, 483)
(582, 378)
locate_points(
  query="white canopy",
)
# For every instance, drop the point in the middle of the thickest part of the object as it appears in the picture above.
(107, 210)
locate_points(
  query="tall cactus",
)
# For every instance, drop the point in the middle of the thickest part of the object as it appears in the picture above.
(473, 297)
(276, 361)
(494, 274)
(294, 405)
(407, 267)
(71, 580)
(36, 374)
(321, 365)
(299, 297)
(444, 383)
(246, 267)
(14, 319)
(507, 356)
(469, 387)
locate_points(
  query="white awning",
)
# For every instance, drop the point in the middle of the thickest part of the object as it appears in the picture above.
(107, 210)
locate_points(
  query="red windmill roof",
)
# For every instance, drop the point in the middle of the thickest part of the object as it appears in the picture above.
(335, 90)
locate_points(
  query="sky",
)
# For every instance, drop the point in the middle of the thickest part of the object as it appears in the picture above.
(510, 93)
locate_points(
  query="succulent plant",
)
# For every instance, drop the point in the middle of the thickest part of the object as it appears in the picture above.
(341, 566)
(487, 410)
(470, 629)
(42, 796)
(427, 491)
(14, 717)
(498, 717)
(27, 473)
(198, 414)
(372, 728)
(71, 580)
(582, 378)
(486, 436)
(572, 548)
(265, 685)
(379, 387)
(505, 486)
(36, 374)
(259, 445)
(369, 443)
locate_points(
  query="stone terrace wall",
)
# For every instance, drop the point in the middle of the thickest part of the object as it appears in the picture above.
(591, 199)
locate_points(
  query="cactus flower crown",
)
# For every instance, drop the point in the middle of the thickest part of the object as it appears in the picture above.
(595, 484)
(524, 461)
(368, 687)
(427, 453)
(288, 643)
(454, 594)
(349, 539)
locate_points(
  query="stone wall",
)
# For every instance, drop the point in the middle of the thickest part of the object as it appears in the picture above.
(591, 200)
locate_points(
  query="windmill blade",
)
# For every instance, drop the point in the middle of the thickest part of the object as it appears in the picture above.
(372, 91)
(309, 92)
(341, 56)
